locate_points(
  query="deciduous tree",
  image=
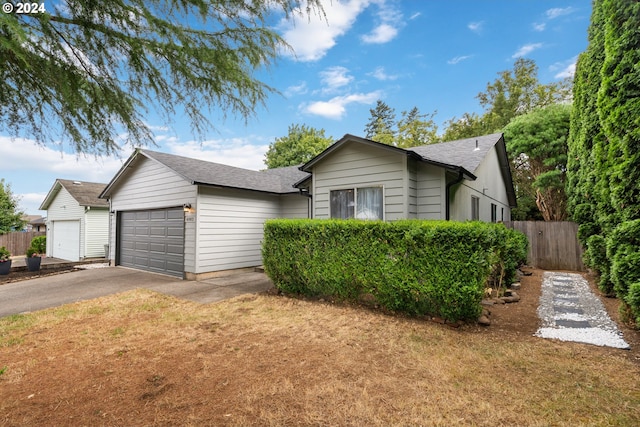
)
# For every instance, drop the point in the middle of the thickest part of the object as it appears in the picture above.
(300, 145)
(10, 215)
(537, 145)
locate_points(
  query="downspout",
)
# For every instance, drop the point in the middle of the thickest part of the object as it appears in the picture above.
(305, 192)
(447, 193)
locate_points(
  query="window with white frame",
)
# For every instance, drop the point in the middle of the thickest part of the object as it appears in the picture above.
(475, 208)
(360, 203)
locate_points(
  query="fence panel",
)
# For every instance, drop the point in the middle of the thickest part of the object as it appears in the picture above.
(553, 245)
(18, 242)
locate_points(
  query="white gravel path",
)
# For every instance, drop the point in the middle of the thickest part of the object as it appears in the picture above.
(571, 312)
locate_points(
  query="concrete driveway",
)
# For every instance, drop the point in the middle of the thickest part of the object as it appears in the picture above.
(53, 291)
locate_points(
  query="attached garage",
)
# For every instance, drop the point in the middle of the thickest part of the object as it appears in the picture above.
(195, 219)
(66, 240)
(152, 240)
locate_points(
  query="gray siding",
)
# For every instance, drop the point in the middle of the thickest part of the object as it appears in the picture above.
(430, 192)
(150, 185)
(412, 201)
(488, 187)
(294, 206)
(230, 228)
(356, 165)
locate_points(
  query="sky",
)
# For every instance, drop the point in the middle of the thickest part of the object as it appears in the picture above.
(436, 55)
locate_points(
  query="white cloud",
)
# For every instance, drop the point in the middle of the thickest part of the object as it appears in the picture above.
(334, 78)
(312, 37)
(380, 74)
(476, 27)
(539, 26)
(335, 108)
(564, 69)
(300, 89)
(526, 49)
(390, 20)
(23, 154)
(240, 152)
(457, 59)
(414, 16)
(381, 34)
(557, 12)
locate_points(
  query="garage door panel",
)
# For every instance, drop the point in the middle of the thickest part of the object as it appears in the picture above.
(66, 240)
(153, 240)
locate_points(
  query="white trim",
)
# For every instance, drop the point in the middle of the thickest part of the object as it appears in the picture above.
(355, 198)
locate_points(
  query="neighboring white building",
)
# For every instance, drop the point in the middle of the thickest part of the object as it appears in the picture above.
(77, 220)
(193, 219)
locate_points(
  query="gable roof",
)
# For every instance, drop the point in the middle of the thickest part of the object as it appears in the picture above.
(202, 172)
(463, 156)
(467, 153)
(85, 193)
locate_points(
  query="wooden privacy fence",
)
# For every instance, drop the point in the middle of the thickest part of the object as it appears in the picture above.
(553, 245)
(18, 242)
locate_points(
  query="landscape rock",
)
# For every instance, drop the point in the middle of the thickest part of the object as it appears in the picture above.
(515, 286)
(487, 302)
(484, 321)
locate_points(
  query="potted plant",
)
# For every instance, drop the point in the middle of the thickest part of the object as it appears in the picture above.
(35, 251)
(5, 261)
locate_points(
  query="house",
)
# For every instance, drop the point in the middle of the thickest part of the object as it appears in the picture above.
(195, 219)
(33, 223)
(468, 179)
(37, 224)
(192, 218)
(77, 221)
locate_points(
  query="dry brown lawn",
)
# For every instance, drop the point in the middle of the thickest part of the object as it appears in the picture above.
(141, 358)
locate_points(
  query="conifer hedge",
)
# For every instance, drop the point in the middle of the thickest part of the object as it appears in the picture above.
(603, 171)
(437, 268)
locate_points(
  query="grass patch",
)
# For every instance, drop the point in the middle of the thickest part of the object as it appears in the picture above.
(269, 360)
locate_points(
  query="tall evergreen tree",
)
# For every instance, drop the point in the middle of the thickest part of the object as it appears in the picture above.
(380, 126)
(604, 176)
(415, 129)
(88, 71)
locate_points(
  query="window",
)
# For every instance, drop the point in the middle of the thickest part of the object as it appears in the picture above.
(360, 203)
(494, 212)
(475, 208)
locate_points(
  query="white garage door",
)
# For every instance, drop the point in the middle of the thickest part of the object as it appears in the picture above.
(66, 240)
(153, 240)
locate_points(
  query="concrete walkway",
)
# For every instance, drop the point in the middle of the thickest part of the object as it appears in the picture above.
(53, 291)
(571, 312)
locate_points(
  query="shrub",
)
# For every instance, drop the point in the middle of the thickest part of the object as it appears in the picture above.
(418, 267)
(633, 301)
(595, 257)
(39, 244)
(4, 254)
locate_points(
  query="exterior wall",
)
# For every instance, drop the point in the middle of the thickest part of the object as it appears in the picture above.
(97, 232)
(230, 227)
(151, 185)
(431, 197)
(488, 187)
(357, 165)
(64, 208)
(412, 195)
(294, 206)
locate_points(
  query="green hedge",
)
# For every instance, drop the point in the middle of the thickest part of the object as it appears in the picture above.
(438, 268)
(623, 249)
